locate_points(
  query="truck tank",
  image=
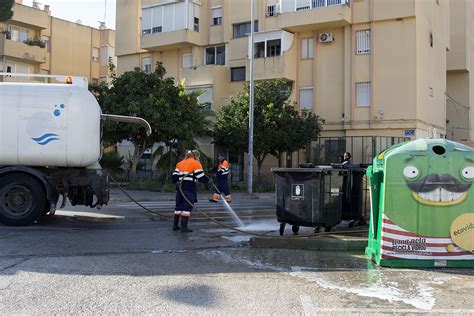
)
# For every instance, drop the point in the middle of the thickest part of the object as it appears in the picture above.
(56, 125)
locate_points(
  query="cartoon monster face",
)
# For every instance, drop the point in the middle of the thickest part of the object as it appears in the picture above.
(429, 186)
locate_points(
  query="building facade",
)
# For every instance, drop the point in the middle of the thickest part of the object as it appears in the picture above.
(460, 72)
(368, 67)
(34, 42)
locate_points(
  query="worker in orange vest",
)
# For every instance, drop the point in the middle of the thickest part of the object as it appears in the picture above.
(222, 180)
(187, 173)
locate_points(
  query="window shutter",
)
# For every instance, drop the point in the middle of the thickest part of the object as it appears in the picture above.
(306, 98)
(363, 42)
(187, 60)
(363, 94)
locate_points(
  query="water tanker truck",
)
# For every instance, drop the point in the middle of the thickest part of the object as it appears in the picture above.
(50, 147)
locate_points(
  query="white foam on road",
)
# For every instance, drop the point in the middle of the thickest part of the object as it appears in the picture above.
(421, 296)
(261, 226)
(237, 238)
(308, 306)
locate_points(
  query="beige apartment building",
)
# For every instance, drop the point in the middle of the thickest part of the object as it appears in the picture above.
(34, 42)
(397, 68)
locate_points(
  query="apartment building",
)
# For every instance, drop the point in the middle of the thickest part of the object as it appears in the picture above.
(368, 67)
(460, 72)
(34, 42)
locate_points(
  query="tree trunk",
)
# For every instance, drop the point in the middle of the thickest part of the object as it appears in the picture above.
(279, 159)
(137, 153)
(260, 159)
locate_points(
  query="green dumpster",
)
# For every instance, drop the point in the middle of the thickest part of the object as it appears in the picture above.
(422, 205)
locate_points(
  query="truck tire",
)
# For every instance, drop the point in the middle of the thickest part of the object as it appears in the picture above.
(22, 199)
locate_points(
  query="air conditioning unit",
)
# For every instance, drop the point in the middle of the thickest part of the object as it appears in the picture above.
(326, 38)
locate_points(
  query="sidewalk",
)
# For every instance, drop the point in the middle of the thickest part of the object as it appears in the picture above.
(116, 196)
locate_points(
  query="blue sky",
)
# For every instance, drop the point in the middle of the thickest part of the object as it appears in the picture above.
(88, 11)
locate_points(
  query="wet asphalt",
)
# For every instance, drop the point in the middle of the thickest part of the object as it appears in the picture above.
(122, 260)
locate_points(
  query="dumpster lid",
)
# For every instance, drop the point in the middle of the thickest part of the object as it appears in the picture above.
(303, 170)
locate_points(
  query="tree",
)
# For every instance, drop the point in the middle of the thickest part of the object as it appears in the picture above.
(6, 10)
(174, 115)
(278, 126)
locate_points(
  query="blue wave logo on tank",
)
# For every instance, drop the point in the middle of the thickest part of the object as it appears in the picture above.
(45, 139)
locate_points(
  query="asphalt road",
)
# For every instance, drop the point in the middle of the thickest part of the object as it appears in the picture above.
(123, 260)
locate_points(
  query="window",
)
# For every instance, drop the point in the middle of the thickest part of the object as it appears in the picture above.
(165, 18)
(306, 98)
(363, 42)
(303, 4)
(205, 95)
(242, 29)
(237, 74)
(363, 94)
(259, 50)
(146, 21)
(95, 54)
(307, 48)
(274, 48)
(46, 40)
(187, 60)
(269, 48)
(18, 34)
(146, 64)
(9, 69)
(272, 7)
(196, 24)
(215, 55)
(431, 39)
(217, 16)
(196, 17)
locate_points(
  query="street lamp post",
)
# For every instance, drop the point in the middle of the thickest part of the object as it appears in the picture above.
(251, 107)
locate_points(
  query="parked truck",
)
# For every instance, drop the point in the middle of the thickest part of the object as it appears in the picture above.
(50, 147)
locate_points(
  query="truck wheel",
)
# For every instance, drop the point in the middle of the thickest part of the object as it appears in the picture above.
(22, 199)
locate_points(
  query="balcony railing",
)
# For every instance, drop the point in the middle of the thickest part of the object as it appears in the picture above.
(283, 6)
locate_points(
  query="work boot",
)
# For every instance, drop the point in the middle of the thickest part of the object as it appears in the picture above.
(176, 223)
(184, 225)
(215, 198)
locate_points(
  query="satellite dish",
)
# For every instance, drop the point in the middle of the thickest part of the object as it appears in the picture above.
(78, 21)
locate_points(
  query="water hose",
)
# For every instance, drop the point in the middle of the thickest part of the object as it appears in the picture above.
(163, 216)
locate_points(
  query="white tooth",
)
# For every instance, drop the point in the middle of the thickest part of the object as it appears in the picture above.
(422, 195)
(446, 196)
(457, 196)
(435, 195)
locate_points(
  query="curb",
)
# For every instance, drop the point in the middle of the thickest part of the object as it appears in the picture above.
(329, 243)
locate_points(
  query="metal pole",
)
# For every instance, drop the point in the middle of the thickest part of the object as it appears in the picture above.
(251, 107)
(105, 13)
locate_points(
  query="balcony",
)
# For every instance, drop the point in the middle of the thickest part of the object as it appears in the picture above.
(298, 16)
(31, 17)
(171, 24)
(170, 40)
(204, 75)
(270, 68)
(27, 53)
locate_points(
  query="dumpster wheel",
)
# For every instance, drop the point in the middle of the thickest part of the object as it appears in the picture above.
(295, 229)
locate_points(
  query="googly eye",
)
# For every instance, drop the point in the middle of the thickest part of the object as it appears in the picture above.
(468, 173)
(411, 172)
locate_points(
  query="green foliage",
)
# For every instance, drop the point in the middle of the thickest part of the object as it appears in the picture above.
(263, 184)
(278, 126)
(173, 114)
(112, 160)
(35, 42)
(6, 12)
